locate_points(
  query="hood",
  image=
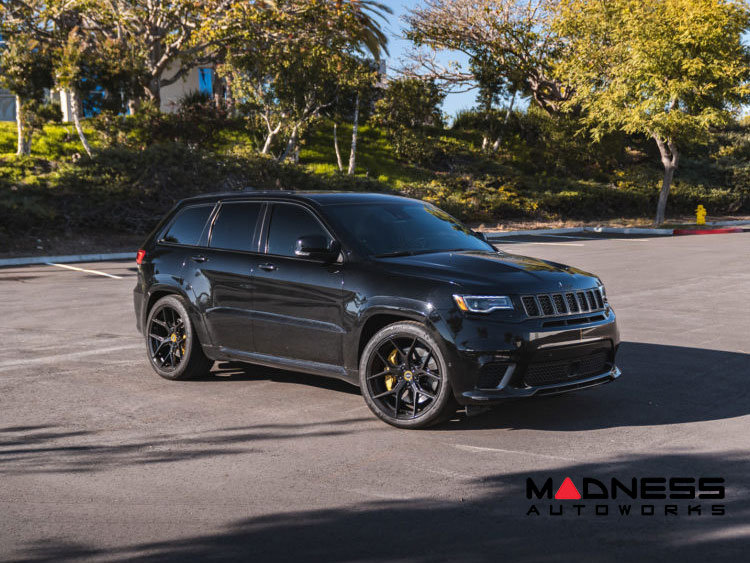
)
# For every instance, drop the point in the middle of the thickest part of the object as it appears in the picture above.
(491, 273)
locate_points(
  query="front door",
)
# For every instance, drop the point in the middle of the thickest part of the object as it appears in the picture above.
(297, 302)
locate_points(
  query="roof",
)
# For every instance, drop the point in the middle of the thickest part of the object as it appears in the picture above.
(319, 198)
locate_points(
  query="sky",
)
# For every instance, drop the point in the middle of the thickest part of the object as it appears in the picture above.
(398, 48)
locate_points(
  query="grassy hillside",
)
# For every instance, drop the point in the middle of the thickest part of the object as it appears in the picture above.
(543, 172)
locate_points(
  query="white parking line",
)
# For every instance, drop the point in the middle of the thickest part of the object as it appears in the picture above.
(59, 357)
(467, 448)
(85, 270)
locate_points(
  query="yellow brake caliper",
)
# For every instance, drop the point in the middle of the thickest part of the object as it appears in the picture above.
(390, 380)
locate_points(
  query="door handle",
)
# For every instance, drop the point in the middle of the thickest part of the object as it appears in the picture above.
(198, 258)
(268, 267)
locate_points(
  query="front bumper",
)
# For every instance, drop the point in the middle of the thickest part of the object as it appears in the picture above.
(528, 358)
(488, 396)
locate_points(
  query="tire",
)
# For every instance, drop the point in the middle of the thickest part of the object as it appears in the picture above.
(167, 325)
(403, 376)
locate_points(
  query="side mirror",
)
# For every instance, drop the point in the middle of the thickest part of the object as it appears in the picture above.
(317, 247)
(480, 235)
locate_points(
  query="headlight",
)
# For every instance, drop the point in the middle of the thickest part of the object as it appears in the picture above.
(482, 303)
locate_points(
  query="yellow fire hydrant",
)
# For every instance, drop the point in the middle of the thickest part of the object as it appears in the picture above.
(700, 215)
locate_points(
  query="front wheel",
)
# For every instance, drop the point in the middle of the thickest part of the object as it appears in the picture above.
(172, 345)
(403, 376)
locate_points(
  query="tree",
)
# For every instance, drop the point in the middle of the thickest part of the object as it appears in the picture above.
(510, 45)
(283, 59)
(670, 69)
(26, 63)
(355, 95)
(161, 32)
(26, 73)
(407, 106)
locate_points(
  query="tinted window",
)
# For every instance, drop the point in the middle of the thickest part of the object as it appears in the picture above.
(288, 223)
(188, 225)
(235, 225)
(403, 228)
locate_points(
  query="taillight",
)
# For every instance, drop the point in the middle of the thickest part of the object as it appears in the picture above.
(140, 256)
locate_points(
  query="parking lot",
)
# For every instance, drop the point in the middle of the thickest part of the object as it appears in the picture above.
(100, 459)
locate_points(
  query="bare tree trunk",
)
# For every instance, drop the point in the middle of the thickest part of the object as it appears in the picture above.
(269, 138)
(669, 159)
(355, 131)
(336, 146)
(229, 95)
(153, 91)
(77, 121)
(24, 143)
(291, 144)
(496, 144)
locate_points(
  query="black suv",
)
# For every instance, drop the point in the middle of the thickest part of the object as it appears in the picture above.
(389, 293)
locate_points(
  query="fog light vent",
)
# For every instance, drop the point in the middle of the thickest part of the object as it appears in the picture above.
(491, 374)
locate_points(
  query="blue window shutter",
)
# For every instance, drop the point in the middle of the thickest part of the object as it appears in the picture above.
(206, 80)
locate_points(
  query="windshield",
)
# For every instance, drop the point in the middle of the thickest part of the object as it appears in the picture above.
(403, 228)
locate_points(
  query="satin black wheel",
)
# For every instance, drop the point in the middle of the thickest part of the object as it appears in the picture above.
(403, 376)
(173, 348)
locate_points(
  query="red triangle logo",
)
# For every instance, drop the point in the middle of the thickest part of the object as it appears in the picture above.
(567, 491)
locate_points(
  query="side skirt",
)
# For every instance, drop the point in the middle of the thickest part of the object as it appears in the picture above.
(314, 368)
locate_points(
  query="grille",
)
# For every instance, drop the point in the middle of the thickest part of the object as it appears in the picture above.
(564, 303)
(530, 304)
(490, 375)
(560, 371)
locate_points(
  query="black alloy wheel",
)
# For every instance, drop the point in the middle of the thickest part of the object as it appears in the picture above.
(403, 376)
(173, 348)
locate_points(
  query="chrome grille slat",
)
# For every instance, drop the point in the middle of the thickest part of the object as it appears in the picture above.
(545, 305)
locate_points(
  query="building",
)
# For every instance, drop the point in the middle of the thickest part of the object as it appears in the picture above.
(197, 79)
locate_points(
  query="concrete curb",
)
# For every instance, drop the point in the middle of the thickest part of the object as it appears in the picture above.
(29, 260)
(618, 230)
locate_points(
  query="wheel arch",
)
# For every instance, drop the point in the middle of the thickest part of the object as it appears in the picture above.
(378, 320)
(196, 318)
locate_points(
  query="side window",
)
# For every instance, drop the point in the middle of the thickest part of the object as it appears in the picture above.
(188, 226)
(288, 223)
(235, 225)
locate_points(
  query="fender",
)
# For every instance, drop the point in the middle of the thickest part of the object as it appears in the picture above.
(403, 307)
(195, 316)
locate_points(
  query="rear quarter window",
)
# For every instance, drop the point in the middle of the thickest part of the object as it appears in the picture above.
(187, 227)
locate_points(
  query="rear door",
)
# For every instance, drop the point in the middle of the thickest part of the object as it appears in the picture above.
(297, 301)
(221, 274)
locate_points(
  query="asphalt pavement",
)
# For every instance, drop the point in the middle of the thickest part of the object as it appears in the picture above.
(100, 459)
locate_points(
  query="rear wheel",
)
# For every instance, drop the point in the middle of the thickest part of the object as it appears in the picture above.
(404, 377)
(173, 348)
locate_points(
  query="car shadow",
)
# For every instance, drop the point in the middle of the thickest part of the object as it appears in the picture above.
(659, 385)
(239, 371)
